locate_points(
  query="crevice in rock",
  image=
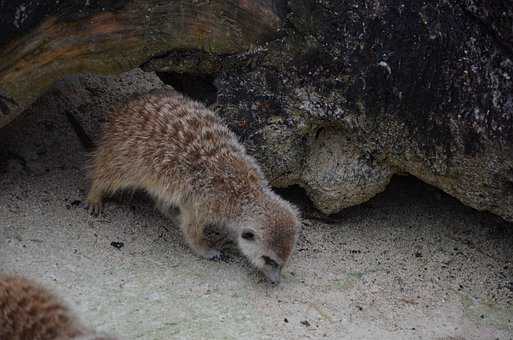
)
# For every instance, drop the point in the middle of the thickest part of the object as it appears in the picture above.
(400, 189)
(197, 86)
(298, 196)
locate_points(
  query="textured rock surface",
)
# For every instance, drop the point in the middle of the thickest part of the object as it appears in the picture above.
(338, 175)
(91, 95)
(375, 88)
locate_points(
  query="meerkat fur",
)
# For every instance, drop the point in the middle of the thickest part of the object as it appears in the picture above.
(29, 311)
(183, 155)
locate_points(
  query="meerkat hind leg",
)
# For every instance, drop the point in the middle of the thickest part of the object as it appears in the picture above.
(99, 189)
(95, 200)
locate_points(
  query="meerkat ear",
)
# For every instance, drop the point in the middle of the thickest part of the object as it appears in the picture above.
(248, 235)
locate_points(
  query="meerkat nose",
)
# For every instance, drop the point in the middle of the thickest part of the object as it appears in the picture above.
(274, 275)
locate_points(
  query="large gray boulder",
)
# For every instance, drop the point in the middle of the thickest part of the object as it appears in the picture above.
(358, 91)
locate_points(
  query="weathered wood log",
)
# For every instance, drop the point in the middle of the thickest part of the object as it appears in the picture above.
(43, 41)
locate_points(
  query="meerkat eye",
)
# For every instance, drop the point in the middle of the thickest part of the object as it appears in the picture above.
(248, 235)
(270, 262)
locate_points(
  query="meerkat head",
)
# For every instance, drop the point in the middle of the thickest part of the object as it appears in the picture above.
(267, 239)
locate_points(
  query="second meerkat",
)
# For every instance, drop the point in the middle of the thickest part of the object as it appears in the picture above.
(182, 154)
(28, 311)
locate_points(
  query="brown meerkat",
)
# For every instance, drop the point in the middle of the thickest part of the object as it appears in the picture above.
(28, 311)
(183, 155)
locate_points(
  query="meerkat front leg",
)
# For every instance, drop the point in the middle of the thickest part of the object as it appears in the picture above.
(168, 210)
(193, 233)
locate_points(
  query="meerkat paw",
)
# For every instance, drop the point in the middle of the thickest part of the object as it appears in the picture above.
(214, 255)
(95, 209)
(209, 253)
(199, 245)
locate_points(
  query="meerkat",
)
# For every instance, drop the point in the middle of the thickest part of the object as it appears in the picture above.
(29, 311)
(182, 154)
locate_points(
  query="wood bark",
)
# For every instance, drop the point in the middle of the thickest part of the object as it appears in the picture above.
(41, 42)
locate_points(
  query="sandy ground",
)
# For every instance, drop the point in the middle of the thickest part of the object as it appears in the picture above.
(411, 264)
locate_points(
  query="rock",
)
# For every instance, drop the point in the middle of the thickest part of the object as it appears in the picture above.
(363, 90)
(354, 92)
(89, 96)
(337, 174)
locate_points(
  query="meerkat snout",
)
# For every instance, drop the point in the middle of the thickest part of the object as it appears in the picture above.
(271, 269)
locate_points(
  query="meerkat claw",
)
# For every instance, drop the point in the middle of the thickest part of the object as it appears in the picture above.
(95, 209)
(214, 255)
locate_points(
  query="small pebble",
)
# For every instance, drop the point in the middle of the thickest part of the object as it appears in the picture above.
(117, 245)
(75, 203)
(305, 323)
